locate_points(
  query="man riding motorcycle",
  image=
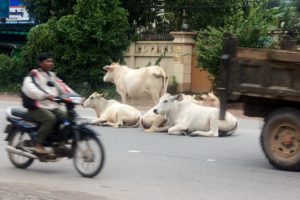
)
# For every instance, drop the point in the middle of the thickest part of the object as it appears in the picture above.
(39, 88)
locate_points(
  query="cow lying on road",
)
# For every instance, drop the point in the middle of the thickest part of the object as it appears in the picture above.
(112, 113)
(133, 84)
(153, 122)
(209, 100)
(187, 118)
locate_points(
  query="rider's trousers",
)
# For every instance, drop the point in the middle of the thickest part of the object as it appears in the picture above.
(47, 119)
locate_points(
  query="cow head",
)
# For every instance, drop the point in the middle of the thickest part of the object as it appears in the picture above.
(93, 100)
(109, 76)
(209, 100)
(165, 104)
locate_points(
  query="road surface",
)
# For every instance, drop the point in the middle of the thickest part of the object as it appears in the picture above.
(156, 166)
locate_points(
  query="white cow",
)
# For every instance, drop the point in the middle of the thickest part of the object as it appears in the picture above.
(153, 122)
(132, 84)
(186, 117)
(111, 112)
(210, 100)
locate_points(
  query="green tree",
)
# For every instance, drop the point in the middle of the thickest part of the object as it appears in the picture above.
(42, 10)
(142, 14)
(11, 73)
(163, 16)
(83, 42)
(250, 29)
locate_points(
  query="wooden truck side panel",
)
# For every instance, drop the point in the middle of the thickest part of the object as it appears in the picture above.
(264, 79)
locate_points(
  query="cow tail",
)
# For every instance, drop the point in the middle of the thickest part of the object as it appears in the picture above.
(164, 83)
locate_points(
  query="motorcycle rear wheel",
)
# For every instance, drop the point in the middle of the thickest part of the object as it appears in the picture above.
(15, 140)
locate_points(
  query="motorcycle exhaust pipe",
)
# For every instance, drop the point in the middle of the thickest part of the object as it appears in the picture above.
(11, 149)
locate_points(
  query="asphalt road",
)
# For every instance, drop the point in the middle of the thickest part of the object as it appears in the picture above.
(157, 166)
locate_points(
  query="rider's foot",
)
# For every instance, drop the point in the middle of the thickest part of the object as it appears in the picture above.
(40, 149)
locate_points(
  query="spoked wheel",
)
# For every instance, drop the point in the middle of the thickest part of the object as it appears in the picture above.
(17, 140)
(280, 139)
(89, 156)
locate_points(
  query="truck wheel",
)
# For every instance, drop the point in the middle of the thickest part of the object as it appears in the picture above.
(280, 139)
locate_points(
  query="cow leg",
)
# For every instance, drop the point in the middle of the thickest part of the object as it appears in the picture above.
(156, 126)
(177, 129)
(155, 97)
(118, 123)
(124, 98)
(213, 131)
(99, 121)
(130, 100)
(160, 129)
(115, 125)
(157, 129)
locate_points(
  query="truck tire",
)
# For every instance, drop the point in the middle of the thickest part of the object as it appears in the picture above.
(280, 139)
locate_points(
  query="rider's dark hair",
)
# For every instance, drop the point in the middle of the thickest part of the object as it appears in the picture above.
(43, 56)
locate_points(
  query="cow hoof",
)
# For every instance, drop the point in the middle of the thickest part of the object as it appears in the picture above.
(172, 133)
(193, 135)
(95, 123)
(185, 133)
(222, 133)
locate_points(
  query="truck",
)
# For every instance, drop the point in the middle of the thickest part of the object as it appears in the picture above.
(267, 83)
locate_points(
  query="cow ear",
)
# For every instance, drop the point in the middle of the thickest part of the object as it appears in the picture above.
(94, 94)
(107, 68)
(179, 97)
(99, 95)
(199, 97)
(105, 94)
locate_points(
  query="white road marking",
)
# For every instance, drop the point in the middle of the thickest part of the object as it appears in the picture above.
(211, 160)
(133, 151)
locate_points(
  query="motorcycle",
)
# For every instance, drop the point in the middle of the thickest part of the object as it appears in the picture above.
(70, 138)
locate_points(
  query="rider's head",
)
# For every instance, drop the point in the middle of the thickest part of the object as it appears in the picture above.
(45, 61)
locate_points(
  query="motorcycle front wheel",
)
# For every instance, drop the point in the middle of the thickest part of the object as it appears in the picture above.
(88, 156)
(17, 140)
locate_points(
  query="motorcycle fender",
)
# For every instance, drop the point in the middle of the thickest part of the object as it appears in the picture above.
(84, 130)
(9, 130)
(81, 132)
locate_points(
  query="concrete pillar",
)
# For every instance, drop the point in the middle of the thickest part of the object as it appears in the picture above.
(130, 56)
(182, 50)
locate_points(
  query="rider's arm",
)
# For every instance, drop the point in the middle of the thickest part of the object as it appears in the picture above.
(32, 91)
(64, 88)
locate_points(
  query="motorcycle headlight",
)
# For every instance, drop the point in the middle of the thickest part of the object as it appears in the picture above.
(75, 100)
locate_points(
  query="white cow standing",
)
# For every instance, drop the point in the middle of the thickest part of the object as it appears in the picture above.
(112, 113)
(186, 117)
(133, 84)
(153, 122)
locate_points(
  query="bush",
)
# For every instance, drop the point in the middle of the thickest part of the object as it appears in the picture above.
(251, 30)
(11, 74)
(82, 43)
(5, 69)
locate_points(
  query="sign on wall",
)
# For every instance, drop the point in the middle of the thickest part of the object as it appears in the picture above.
(4, 8)
(17, 11)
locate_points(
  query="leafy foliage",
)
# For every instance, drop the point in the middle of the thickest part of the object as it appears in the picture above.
(251, 29)
(42, 10)
(11, 73)
(83, 42)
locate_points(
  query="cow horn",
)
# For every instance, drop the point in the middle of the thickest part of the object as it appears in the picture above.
(107, 68)
(105, 94)
(179, 97)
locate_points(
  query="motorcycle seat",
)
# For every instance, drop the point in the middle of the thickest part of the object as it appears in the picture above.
(18, 113)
